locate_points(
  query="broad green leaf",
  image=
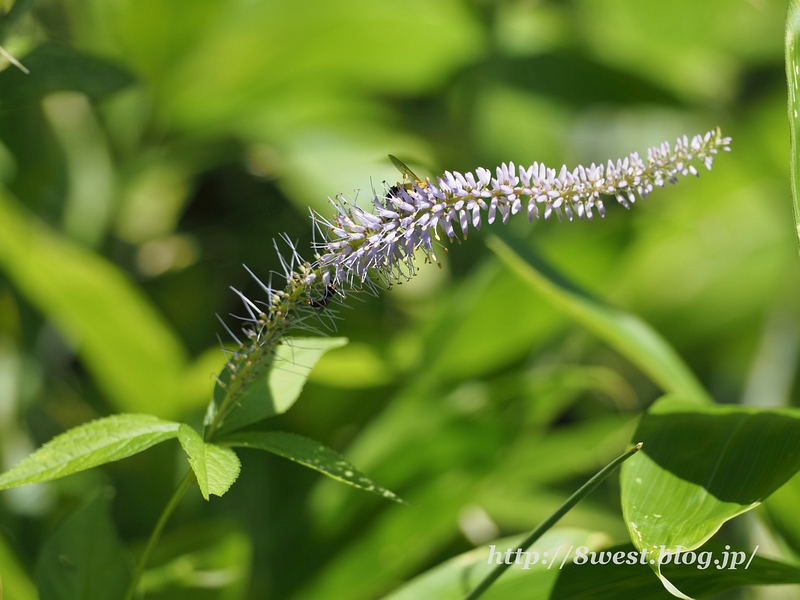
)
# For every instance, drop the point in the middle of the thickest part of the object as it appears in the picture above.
(781, 509)
(129, 348)
(89, 445)
(83, 559)
(793, 81)
(207, 560)
(54, 68)
(624, 332)
(278, 385)
(14, 581)
(215, 467)
(611, 581)
(454, 578)
(701, 466)
(311, 454)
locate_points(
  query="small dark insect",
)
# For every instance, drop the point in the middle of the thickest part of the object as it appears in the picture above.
(322, 302)
(408, 177)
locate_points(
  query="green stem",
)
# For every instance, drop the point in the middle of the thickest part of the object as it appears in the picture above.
(534, 535)
(187, 480)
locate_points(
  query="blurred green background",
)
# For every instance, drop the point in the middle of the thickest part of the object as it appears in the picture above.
(156, 146)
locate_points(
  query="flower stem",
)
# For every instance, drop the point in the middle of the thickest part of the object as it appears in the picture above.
(534, 535)
(187, 480)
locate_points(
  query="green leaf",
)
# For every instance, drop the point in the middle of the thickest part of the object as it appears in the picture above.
(89, 445)
(453, 579)
(310, 454)
(129, 348)
(630, 336)
(18, 8)
(215, 467)
(276, 387)
(83, 559)
(701, 466)
(793, 81)
(450, 580)
(612, 581)
(781, 509)
(14, 581)
(54, 68)
(203, 561)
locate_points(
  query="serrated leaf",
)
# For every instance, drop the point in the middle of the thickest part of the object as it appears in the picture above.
(701, 466)
(89, 445)
(276, 388)
(793, 80)
(215, 467)
(626, 333)
(84, 559)
(311, 454)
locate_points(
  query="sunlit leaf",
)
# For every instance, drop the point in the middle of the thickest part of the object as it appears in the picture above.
(781, 509)
(276, 387)
(15, 582)
(311, 454)
(83, 559)
(793, 81)
(215, 467)
(626, 333)
(129, 348)
(701, 466)
(607, 581)
(89, 445)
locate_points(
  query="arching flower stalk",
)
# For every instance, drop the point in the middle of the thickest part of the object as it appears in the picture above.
(362, 249)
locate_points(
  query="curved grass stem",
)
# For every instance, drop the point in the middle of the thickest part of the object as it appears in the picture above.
(534, 535)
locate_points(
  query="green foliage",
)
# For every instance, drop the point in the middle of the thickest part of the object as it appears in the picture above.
(310, 454)
(702, 466)
(451, 579)
(455, 577)
(627, 334)
(215, 467)
(201, 562)
(609, 581)
(89, 445)
(84, 559)
(16, 582)
(156, 146)
(133, 353)
(55, 68)
(275, 388)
